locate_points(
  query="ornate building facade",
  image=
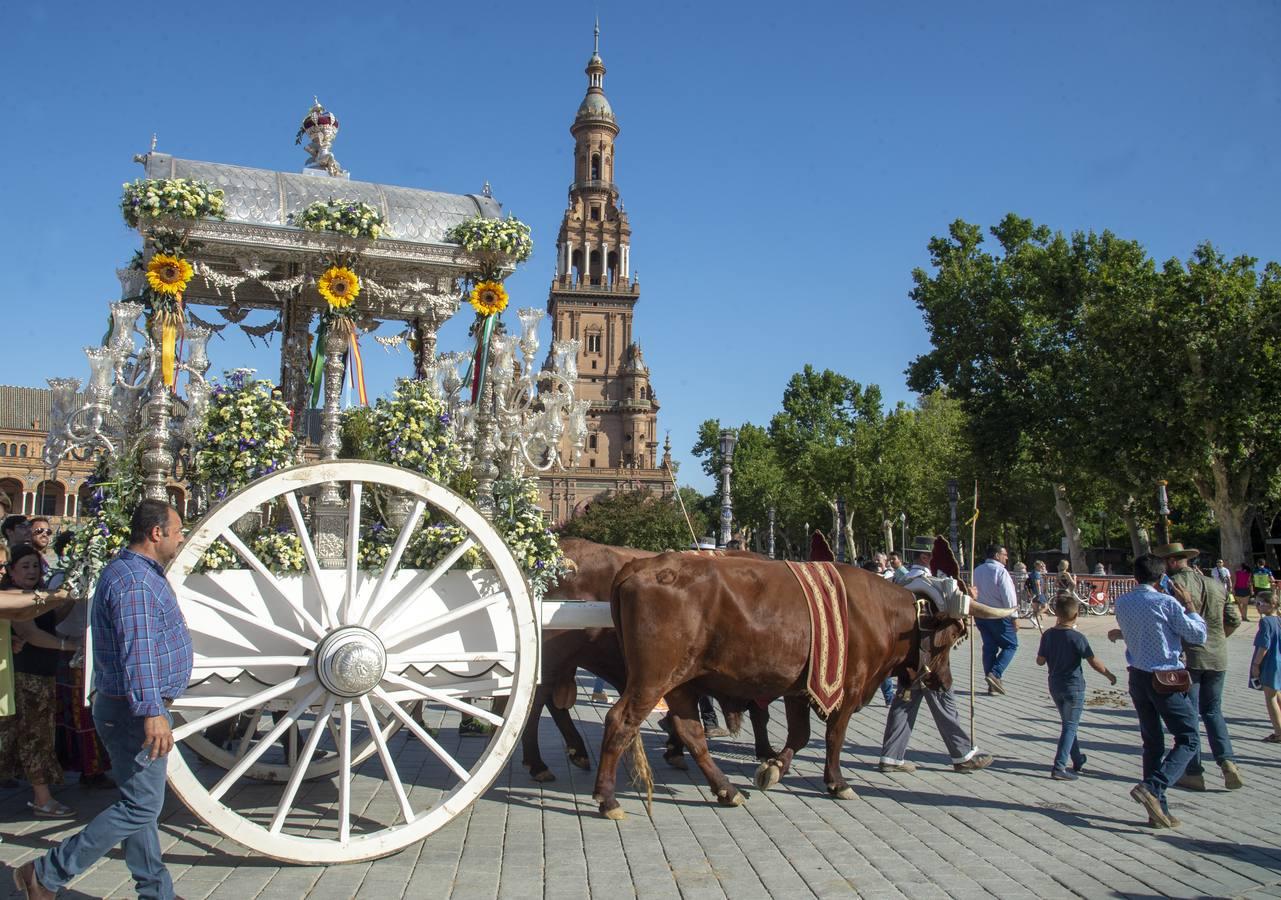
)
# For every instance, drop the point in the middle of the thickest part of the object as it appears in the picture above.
(593, 299)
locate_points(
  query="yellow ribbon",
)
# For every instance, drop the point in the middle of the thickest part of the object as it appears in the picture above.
(168, 345)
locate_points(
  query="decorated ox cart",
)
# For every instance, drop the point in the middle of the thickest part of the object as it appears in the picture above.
(354, 620)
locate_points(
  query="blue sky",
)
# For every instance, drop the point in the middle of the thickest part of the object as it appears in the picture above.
(783, 165)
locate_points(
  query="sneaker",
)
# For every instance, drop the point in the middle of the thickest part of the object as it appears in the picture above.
(1158, 817)
(599, 697)
(1231, 775)
(474, 728)
(1192, 782)
(904, 767)
(1174, 823)
(994, 685)
(974, 763)
(1080, 764)
(1063, 775)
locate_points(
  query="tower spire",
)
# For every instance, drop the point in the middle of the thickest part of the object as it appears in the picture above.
(596, 41)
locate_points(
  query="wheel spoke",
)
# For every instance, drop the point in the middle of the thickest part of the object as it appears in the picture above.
(344, 776)
(228, 662)
(375, 730)
(300, 771)
(260, 748)
(309, 551)
(419, 732)
(447, 700)
(393, 561)
(432, 577)
(226, 712)
(245, 739)
(257, 565)
(481, 603)
(190, 593)
(348, 611)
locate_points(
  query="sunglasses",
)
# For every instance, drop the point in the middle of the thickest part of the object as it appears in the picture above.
(42, 531)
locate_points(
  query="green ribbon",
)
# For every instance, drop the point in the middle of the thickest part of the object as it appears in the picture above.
(481, 359)
(317, 378)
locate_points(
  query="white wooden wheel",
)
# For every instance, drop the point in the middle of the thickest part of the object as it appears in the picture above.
(336, 657)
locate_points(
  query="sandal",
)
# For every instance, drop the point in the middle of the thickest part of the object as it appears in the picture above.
(51, 810)
(1272, 739)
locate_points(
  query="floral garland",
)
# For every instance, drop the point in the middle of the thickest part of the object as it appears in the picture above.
(350, 217)
(116, 488)
(523, 526)
(170, 198)
(410, 429)
(245, 435)
(168, 271)
(279, 549)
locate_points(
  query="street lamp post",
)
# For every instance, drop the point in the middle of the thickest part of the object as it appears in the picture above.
(1163, 513)
(728, 440)
(840, 529)
(954, 494)
(771, 532)
(902, 521)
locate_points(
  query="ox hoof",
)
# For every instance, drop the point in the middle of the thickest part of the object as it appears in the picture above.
(730, 797)
(544, 776)
(767, 775)
(766, 754)
(676, 761)
(845, 792)
(614, 812)
(583, 762)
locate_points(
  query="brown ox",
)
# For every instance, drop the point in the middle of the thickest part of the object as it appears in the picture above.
(740, 629)
(598, 651)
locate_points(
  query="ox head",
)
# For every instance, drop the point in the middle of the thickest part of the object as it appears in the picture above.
(946, 628)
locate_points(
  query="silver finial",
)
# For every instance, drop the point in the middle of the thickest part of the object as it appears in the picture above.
(487, 191)
(153, 142)
(596, 42)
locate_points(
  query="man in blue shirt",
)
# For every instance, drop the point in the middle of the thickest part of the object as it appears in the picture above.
(1000, 636)
(1154, 626)
(142, 662)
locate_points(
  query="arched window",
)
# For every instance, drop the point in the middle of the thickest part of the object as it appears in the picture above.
(595, 167)
(577, 262)
(13, 449)
(22, 450)
(595, 273)
(85, 495)
(613, 266)
(4, 449)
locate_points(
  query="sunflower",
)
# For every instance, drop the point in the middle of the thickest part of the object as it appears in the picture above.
(489, 297)
(339, 286)
(168, 275)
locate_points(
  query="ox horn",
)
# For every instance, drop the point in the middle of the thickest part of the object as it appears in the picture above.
(983, 611)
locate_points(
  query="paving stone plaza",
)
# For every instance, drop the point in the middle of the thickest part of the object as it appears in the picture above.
(1007, 832)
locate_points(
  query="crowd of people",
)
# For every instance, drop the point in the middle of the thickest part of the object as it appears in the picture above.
(1175, 624)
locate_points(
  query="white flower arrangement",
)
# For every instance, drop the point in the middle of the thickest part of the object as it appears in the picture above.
(353, 218)
(170, 198)
(504, 237)
(245, 435)
(116, 488)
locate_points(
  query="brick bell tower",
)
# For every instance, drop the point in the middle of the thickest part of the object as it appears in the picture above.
(593, 299)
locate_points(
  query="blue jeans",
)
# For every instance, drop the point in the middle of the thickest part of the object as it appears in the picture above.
(887, 690)
(1176, 712)
(131, 821)
(1206, 695)
(598, 686)
(1070, 700)
(1000, 642)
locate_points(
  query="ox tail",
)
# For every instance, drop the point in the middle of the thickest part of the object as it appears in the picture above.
(642, 775)
(733, 720)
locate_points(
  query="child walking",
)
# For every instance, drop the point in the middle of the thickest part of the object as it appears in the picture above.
(1062, 649)
(1265, 667)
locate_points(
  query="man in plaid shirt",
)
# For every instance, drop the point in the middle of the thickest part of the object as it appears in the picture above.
(142, 662)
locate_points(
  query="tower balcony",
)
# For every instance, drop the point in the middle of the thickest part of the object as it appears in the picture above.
(598, 285)
(595, 184)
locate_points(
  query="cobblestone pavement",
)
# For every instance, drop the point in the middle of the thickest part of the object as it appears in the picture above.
(1009, 831)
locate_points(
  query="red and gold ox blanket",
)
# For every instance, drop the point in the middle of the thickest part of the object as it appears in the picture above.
(825, 597)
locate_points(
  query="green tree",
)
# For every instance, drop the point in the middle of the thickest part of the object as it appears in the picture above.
(633, 519)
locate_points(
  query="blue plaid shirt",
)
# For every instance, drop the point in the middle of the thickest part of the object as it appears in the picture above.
(1154, 625)
(141, 646)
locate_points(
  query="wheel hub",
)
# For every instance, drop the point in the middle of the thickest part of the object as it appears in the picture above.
(350, 661)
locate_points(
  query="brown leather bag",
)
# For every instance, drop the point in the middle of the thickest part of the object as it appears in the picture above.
(1171, 681)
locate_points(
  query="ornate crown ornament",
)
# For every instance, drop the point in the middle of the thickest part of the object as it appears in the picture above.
(321, 128)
